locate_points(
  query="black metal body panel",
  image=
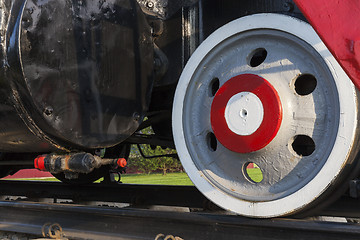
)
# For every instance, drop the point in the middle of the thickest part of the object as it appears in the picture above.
(14, 133)
(217, 13)
(78, 74)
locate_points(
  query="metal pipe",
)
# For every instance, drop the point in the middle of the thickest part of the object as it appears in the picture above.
(75, 162)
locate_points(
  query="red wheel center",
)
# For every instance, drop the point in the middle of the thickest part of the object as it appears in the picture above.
(246, 113)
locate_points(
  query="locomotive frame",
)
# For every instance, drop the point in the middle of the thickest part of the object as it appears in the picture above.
(80, 80)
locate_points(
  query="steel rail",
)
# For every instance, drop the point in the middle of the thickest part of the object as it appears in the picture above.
(145, 195)
(135, 194)
(92, 222)
(84, 222)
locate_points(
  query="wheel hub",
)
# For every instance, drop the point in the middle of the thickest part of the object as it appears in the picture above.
(246, 113)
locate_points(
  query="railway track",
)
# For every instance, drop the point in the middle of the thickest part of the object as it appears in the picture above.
(52, 209)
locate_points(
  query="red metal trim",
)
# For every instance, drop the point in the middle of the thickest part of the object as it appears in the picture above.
(39, 163)
(338, 25)
(272, 113)
(121, 162)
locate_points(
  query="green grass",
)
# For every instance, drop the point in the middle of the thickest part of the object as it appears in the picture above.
(157, 178)
(255, 174)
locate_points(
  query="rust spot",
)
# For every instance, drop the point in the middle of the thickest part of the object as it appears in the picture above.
(66, 161)
(292, 159)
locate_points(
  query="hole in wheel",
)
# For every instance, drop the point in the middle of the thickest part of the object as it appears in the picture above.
(305, 84)
(303, 145)
(257, 57)
(212, 141)
(214, 86)
(253, 172)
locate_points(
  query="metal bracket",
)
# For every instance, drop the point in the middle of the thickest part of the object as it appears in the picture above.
(164, 9)
(354, 188)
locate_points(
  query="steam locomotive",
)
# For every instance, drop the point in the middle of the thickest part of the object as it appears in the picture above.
(229, 84)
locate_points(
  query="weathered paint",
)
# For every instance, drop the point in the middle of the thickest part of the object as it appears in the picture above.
(337, 23)
(65, 84)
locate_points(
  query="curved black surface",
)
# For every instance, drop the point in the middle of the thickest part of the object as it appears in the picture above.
(78, 73)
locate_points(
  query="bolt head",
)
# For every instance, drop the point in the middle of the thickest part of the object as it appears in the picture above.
(288, 6)
(136, 116)
(48, 111)
(150, 4)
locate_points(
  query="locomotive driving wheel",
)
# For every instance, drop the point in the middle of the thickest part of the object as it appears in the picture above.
(264, 118)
